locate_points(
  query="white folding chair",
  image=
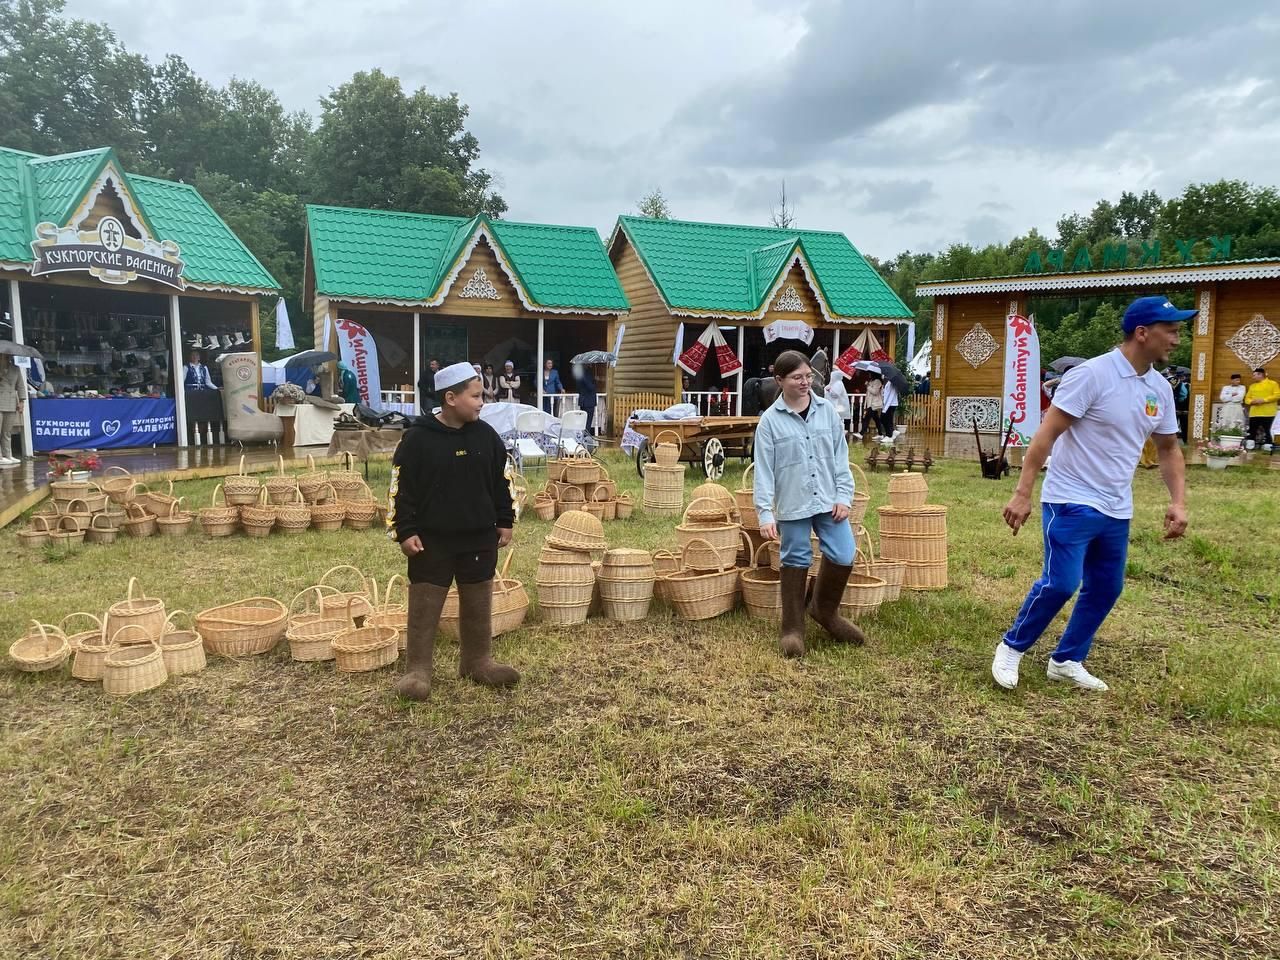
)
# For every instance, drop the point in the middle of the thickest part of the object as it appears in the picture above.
(529, 425)
(572, 425)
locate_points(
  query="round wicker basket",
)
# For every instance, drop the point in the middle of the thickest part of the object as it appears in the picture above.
(257, 518)
(388, 614)
(695, 595)
(183, 650)
(90, 648)
(577, 530)
(241, 489)
(350, 604)
(280, 487)
(361, 649)
(762, 588)
(132, 668)
(37, 533)
(293, 513)
(312, 480)
(243, 628)
(908, 490)
(667, 454)
(310, 632)
(176, 522)
(116, 482)
(138, 521)
(43, 648)
(327, 512)
(219, 521)
(101, 529)
(138, 611)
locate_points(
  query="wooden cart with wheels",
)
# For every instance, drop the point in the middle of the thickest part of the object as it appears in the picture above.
(709, 441)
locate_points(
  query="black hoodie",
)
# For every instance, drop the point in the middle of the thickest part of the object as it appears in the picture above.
(448, 486)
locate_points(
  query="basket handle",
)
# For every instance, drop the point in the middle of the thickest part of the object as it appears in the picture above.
(333, 494)
(869, 555)
(657, 438)
(129, 495)
(866, 484)
(297, 493)
(728, 517)
(100, 516)
(262, 496)
(115, 637)
(395, 578)
(170, 627)
(307, 592)
(280, 462)
(746, 474)
(96, 622)
(242, 473)
(571, 489)
(364, 582)
(311, 463)
(133, 582)
(40, 517)
(348, 461)
(755, 554)
(44, 629)
(723, 568)
(62, 523)
(113, 467)
(173, 508)
(213, 500)
(169, 492)
(350, 600)
(72, 502)
(95, 487)
(502, 574)
(595, 490)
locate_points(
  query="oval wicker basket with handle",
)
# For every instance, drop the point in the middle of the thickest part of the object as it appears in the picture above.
(360, 505)
(582, 468)
(293, 514)
(510, 599)
(219, 521)
(90, 648)
(138, 521)
(258, 518)
(95, 498)
(762, 588)
(81, 637)
(281, 486)
(310, 633)
(37, 533)
(158, 503)
(244, 628)
(347, 479)
(667, 454)
(78, 510)
(241, 489)
(66, 532)
(339, 602)
(183, 650)
(361, 649)
(327, 512)
(101, 529)
(43, 647)
(137, 611)
(698, 595)
(571, 499)
(133, 664)
(116, 482)
(388, 614)
(544, 505)
(65, 490)
(625, 506)
(892, 572)
(310, 481)
(176, 522)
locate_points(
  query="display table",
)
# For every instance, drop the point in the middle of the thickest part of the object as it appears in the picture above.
(103, 423)
(312, 425)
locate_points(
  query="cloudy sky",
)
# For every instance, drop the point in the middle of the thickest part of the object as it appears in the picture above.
(907, 125)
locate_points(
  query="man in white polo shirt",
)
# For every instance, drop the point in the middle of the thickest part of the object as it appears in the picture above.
(1103, 412)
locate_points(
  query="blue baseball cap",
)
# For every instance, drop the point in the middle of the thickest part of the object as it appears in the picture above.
(1146, 311)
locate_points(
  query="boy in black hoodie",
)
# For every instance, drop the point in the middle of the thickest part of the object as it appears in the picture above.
(451, 512)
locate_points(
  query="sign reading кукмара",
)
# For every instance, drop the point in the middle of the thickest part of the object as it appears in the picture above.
(107, 253)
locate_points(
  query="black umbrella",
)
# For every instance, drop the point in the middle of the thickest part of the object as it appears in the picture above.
(886, 370)
(19, 350)
(1063, 364)
(310, 358)
(594, 356)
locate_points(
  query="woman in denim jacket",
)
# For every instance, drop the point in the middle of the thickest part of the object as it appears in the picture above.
(803, 484)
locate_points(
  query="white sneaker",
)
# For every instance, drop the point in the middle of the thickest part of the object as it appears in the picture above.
(1074, 671)
(1004, 667)
(856, 436)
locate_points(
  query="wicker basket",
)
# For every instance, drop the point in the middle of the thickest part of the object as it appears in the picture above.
(626, 584)
(815, 549)
(37, 533)
(310, 632)
(863, 595)
(327, 512)
(241, 489)
(346, 480)
(625, 506)
(132, 668)
(183, 650)
(510, 599)
(137, 611)
(580, 469)
(65, 491)
(360, 505)
(293, 515)
(349, 603)
(606, 498)
(219, 521)
(116, 482)
(66, 531)
(243, 628)
(695, 595)
(90, 648)
(913, 549)
(310, 482)
(861, 498)
(280, 487)
(762, 588)
(95, 498)
(361, 649)
(721, 536)
(908, 490)
(570, 499)
(544, 505)
(258, 518)
(664, 489)
(78, 511)
(925, 576)
(926, 521)
(138, 521)
(667, 454)
(44, 647)
(891, 572)
(625, 563)
(388, 614)
(722, 501)
(80, 637)
(158, 503)
(577, 530)
(101, 530)
(176, 522)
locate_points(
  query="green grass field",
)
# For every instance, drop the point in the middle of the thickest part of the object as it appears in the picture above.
(668, 788)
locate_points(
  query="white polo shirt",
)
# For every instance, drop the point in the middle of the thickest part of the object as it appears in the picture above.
(1116, 410)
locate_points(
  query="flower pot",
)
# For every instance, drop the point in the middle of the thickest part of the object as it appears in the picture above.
(1231, 442)
(79, 475)
(1218, 463)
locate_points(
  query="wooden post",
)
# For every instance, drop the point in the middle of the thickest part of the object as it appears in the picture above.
(417, 358)
(537, 373)
(938, 371)
(256, 329)
(1200, 403)
(742, 338)
(175, 367)
(15, 307)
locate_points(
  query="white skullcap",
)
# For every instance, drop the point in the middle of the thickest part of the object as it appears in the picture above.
(454, 374)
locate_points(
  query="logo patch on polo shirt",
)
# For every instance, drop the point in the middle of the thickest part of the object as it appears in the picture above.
(1152, 406)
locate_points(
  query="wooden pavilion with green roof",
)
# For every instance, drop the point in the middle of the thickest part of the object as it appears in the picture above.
(111, 275)
(764, 285)
(454, 289)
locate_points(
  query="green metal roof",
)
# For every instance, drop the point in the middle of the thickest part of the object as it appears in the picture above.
(723, 268)
(393, 256)
(34, 189)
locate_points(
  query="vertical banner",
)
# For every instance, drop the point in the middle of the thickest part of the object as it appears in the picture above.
(359, 352)
(1021, 397)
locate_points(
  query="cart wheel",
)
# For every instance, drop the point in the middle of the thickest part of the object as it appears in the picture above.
(643, 456)
(713, 458)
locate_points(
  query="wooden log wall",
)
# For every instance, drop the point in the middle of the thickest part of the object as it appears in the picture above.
(645, 365)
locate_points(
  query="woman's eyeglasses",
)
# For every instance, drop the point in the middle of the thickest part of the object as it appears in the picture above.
(799, 378)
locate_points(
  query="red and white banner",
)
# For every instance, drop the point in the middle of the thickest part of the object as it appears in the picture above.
(789, 330)
(359, 352)
(691, 360)
(1021, 397)
(865, 347)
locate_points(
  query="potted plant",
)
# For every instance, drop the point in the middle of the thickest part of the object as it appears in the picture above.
(1229, 437)
(1219, 457)
(73, 466)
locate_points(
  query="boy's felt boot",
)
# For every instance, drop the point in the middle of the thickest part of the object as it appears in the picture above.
(475, 637)
(426, 601)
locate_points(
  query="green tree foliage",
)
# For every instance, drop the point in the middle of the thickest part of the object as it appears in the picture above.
(654, 205)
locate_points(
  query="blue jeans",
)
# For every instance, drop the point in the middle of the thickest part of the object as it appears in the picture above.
(1081, 546)
(835, 540)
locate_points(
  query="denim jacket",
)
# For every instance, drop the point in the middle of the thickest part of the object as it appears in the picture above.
(802, 464)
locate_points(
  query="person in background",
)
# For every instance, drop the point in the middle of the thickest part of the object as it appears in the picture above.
(427, 400)
(586, 393)
(451, 512)
(1261, 401)
(509, 384)
(13, 394)
(803, 485)
(195, 375)
(550, 384)
(348, 384)
(836, 395)
(923, 386)
(1181, 399)
(1231, 406)
(875, 405)
(488, 384)
(1102, 414)
(887, 415)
